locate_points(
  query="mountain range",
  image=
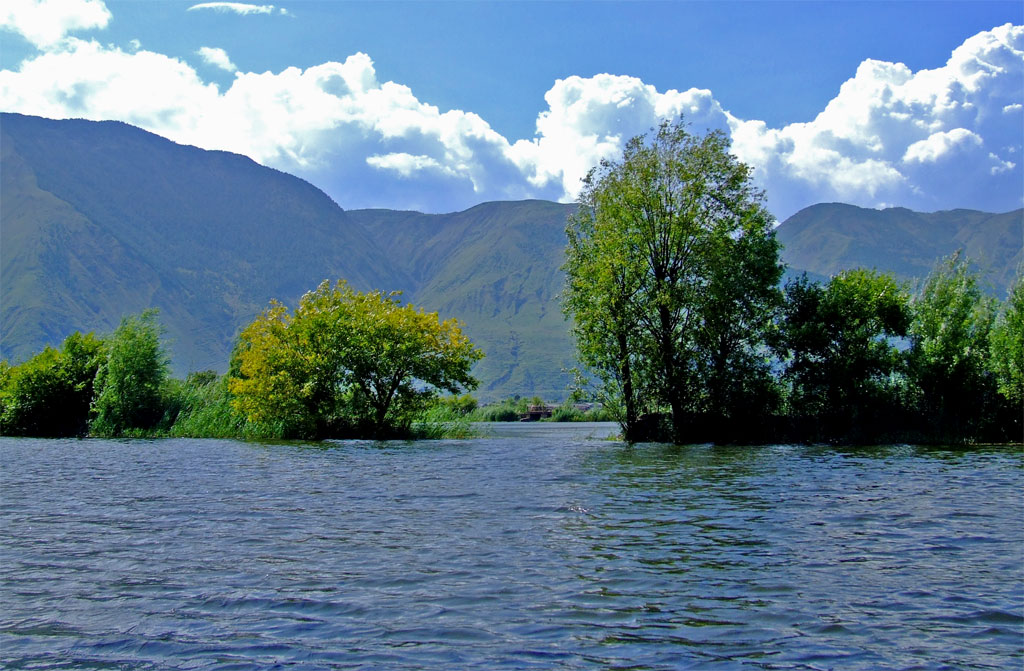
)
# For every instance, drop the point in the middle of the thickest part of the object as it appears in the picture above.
(101, 219)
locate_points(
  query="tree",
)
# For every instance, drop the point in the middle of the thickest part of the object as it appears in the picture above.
(671, 263)
(950, 348)
(837, 345)
(1007, 347)
(347, 363)
(51, 393)
(130, 382)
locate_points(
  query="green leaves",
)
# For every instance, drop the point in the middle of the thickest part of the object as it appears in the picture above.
(838, 342)
(1007, 347)
(130, 382)
(50, 394)
(347, 363)
(671, 278)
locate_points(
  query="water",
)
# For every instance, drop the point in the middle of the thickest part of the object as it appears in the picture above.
(535, 548)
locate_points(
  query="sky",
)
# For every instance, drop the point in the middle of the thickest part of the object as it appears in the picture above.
(438, 106)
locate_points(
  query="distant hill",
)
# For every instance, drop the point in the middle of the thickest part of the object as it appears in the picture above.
(825, 239)
(496, 267)
(101, 219)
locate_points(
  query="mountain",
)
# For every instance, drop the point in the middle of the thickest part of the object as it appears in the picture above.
(825, 239)
(496, 267)
(101, 219)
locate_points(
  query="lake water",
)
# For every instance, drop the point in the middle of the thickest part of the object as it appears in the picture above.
(538, 547)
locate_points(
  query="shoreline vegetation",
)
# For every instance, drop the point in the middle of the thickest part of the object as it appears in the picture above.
(683, 328)
(119, 385)
(673, 288)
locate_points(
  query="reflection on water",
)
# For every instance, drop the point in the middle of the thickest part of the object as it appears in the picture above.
(540, 546)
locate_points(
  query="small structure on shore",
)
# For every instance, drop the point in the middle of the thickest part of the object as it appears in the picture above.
(536, 412)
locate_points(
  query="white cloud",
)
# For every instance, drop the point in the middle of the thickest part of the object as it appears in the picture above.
(590, 119)
(236, 7)
(940, 144)
(217, 58)
(886, 137)
(44, 23)
(407, 165)
(880, 139)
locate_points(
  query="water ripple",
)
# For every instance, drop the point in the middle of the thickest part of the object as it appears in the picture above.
(541, 550)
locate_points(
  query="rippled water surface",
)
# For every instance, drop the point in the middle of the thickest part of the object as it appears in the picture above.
(537, 547)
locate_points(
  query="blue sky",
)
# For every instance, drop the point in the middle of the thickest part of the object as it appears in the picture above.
(438, 106)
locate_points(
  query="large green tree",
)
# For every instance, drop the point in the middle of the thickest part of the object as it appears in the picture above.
(347, 363)
(671, 271)
(838, 343)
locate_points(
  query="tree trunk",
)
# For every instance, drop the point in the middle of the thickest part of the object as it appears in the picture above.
(629, 426)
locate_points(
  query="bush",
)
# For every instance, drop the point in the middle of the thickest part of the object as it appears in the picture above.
(50, 394)
(131, 390)
(205, 409)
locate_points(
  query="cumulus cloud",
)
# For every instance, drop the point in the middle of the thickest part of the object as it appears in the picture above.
(44, 23)
(242, 8)
(932, 139)
(217, 58)
(590, 119)
(941, 144)
(408, 165)
(889, 134)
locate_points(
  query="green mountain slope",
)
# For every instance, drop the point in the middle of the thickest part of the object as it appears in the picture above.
(496, 267)
(103, 219)
(825, 239)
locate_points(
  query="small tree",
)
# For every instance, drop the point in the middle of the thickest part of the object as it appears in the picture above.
(347, 363)
(129, 384)
(1007, 347)
(50, 394)
(949, 356)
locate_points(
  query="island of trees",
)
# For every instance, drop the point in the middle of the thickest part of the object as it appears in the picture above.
(684, 332)
(673, 287)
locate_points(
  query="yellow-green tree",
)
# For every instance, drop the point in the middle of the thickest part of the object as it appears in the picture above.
(347, 364)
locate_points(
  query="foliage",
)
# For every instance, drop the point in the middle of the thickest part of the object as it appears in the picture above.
(442, 420)
(837, 344)
(949, 356)
(50, 394)
(204, 409)
(347, 363)
(1007, 347)
(671, 275)
(457, 405)
(130, 383)
(508, 410)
